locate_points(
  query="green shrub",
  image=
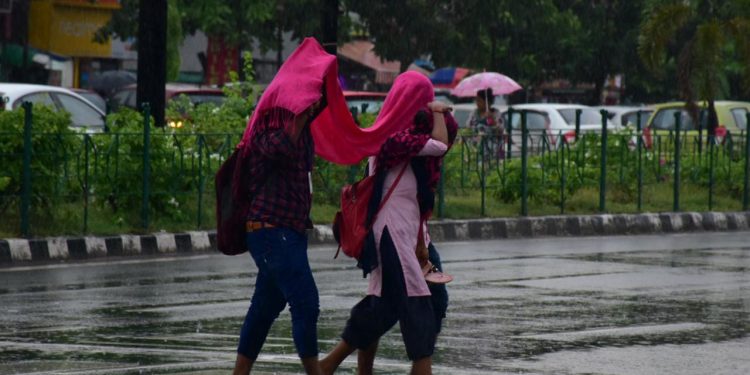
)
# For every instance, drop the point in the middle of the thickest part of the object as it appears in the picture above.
(118, 177)
(53, 155)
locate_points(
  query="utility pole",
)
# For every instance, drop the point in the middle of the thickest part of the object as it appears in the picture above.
(152, 57)
(329, 25)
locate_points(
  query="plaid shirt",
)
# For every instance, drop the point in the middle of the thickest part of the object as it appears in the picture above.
(280, 174)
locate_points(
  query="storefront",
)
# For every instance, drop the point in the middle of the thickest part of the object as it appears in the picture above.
(65, 29)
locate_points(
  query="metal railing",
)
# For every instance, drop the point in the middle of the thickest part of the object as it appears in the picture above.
(143, 181)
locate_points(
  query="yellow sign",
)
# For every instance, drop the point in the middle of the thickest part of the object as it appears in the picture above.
(67, 27)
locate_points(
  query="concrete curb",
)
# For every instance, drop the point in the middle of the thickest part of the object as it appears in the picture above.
(16, 251)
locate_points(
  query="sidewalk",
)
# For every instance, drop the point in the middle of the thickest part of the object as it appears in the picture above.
(16, 251)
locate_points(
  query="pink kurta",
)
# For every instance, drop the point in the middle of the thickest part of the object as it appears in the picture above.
(401, 214)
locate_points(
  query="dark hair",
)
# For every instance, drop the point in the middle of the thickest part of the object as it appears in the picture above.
(486, 93)
(422, 124)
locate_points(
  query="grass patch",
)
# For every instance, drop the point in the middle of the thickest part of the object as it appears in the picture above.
(68, 218)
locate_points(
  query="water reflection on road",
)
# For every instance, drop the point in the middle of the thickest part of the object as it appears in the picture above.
(603, 305)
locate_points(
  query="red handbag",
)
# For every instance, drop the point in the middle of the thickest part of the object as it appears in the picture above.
(349, 224)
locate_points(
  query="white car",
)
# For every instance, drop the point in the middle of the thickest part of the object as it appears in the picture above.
(555, 121)
(84, 115)
(462, 113)
(623, 117)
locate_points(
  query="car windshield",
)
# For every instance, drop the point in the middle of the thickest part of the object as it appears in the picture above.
(588, 116)
(81, 114)
(534, 120)
(665, 119)
(95, 99)
(38, 98)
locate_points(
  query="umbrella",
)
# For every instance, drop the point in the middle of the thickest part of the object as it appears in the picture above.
(499, 83)
(448, 77)
(105, 83)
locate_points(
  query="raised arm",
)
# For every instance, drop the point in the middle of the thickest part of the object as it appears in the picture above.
(439, 131)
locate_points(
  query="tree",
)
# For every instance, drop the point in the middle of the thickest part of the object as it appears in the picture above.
(531, 41)
(702, 37)
(237, 23)
(607, 40)
(404, 30)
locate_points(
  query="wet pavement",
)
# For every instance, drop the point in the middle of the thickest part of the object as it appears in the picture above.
(666, 304)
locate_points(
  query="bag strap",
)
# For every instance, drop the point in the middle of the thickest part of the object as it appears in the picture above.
(382, 202)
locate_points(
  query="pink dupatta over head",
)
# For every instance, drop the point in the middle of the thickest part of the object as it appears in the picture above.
(337, 137)
(344, 144)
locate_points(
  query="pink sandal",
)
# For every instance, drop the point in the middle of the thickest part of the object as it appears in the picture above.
(433, 276)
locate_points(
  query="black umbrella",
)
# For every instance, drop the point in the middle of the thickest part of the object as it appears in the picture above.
(106, 83)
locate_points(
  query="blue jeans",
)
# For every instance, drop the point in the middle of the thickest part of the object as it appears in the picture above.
(284, 276)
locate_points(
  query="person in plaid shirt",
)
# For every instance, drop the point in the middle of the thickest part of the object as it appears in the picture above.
(277, 159)
(281, 167)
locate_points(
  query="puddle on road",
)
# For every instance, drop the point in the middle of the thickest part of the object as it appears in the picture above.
(724, 260)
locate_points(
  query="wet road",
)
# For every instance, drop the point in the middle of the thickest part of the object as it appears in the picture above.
(601, 305)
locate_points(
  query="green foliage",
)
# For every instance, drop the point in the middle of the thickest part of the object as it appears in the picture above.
(174, 40)
(704, 38)
(580, 162)
(230, 117)
(119, 167)
(237, 22)
(415, 29)
(51, 142)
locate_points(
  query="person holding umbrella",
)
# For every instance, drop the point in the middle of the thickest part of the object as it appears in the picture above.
(484, 86)
(487, 121)
(486, 117)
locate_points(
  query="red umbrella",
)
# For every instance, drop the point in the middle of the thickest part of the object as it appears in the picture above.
(499, 83)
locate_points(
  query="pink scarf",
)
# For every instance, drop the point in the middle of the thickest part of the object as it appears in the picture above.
(342, 143)
(298, 85)
(337, 137)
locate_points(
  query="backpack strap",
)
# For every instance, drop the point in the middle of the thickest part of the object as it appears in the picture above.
(382, 201)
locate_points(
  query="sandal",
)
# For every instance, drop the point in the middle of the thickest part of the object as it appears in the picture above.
(433, 276)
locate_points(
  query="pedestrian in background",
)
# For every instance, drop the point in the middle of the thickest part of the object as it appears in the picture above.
(487, 123)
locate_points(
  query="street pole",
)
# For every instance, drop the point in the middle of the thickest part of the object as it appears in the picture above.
(329, 25)
(152, 57)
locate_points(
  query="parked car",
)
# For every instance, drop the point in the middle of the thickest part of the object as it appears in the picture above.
(84, 115)
(93, 97)
(731, 114)
(462, 113)
(126, 96)
(555, 121)
(623, 117)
